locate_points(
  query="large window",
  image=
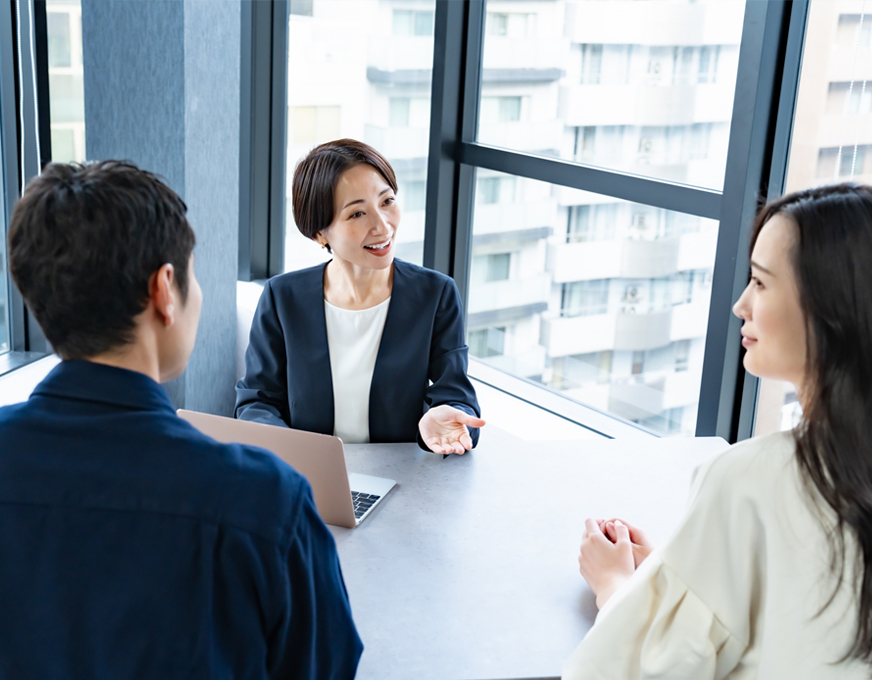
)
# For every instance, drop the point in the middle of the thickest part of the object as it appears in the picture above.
(641, 87)
(606, 300)
(832, 137)
(361, 69)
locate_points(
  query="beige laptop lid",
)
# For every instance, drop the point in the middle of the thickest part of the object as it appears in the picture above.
(318, 457)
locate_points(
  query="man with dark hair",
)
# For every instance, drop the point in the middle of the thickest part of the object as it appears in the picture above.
(133, 546)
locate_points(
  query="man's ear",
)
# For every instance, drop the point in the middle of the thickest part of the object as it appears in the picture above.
(161, 290)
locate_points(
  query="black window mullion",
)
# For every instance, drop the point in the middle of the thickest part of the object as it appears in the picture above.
(263, 122)
(637, 189)
(747, 409)
(749, 162)
(454, 112)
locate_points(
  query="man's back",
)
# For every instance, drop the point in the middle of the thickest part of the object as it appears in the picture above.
(134, 546)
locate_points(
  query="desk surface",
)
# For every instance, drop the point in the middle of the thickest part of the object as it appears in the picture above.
(468, 569)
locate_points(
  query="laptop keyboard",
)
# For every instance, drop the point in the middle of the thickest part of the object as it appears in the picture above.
(362, 502)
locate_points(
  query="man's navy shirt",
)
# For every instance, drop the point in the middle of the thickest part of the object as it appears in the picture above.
(133, 546)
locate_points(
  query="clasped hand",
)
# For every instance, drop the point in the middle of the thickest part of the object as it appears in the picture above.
(611, 550)
(444, 429)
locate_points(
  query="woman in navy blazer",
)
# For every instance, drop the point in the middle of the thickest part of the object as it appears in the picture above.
(419, 389)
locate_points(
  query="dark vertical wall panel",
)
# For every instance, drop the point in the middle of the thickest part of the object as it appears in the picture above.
(162, 90)
(212, 104)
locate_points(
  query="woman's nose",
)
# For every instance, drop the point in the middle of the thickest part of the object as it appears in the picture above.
(740, 309)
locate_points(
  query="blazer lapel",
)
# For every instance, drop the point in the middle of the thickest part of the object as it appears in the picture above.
(309, 342)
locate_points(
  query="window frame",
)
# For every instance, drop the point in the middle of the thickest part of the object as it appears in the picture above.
(26, 340)
(770, 57)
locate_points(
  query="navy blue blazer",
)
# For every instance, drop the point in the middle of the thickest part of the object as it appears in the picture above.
(134, 546)
(421, 361)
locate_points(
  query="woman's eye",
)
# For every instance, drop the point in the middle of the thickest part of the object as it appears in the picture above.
(757, 282)
(357, 214)
(390, 200)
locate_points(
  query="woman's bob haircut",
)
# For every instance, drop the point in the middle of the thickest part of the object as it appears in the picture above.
(316, 176)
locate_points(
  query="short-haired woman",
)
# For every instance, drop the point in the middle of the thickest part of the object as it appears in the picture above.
(365, 347)
(770, 574)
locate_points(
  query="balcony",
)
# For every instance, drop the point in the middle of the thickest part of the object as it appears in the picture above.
(398, 142)
(525, 54)
(400, 53)
(615, 259)
(637, 400)
(510, 294)
(500, 218)
(645, 105)
(832, 126)
(523, 135)
(689, 321)
(649, 259)
(711, 23)
(565, 336)
(643, 331)
(525, 364)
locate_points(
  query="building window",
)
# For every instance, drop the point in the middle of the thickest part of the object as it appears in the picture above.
(311, 123)
(500, 109)
(510, 25)
(579, 370)
(851, 161)
(585, 298)
(59, 39)
(682, 68)
(592, 223)
(591, 64)
(492, 190)
(489, 268)
(413, 195)
(682, 355)
(708, 64)
(302, 8)
(399, 114)
(487, 342)
(413, 22)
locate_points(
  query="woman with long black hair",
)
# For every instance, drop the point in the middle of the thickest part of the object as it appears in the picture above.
(770, 574)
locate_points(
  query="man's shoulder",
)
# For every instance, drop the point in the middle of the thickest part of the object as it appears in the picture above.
(160, 460)
(244, 486)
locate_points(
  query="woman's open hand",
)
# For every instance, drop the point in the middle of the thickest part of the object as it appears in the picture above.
(444, 429)
(603, 564)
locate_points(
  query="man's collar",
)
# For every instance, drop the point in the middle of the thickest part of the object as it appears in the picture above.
(88, 381)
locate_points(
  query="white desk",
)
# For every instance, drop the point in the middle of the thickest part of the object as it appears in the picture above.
(468, 569)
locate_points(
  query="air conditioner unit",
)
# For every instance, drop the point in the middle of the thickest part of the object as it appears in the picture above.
(645, 145)
(631, 294)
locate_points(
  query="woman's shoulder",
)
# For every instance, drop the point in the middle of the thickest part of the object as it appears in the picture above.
(752, 472)
(421, 276)
(298, 280)
(754, 461)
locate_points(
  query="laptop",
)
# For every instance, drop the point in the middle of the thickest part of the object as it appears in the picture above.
(342, 499)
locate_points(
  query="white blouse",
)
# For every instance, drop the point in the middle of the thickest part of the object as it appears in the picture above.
(735, 592)
(353, 339)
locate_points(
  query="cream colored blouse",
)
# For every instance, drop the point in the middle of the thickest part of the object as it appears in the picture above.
(735, 592)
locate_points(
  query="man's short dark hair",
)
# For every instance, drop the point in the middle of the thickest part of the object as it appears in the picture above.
(316, 176)
(84, 241)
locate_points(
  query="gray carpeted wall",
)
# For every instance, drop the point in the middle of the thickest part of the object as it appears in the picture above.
(162, 89)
